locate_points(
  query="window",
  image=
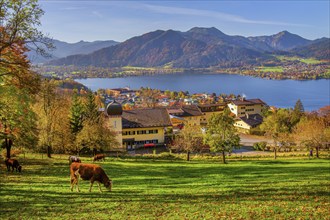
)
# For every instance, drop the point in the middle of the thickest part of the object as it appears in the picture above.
(128, 132)
(142, 132)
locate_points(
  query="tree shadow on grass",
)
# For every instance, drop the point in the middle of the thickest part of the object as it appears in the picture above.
(46, 184)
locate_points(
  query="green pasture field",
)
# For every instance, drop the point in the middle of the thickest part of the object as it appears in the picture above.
(277, 69)
(310, 61)
(303, 60)
(164, 189)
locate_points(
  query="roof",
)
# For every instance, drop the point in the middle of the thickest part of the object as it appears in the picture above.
(114, 108)
(185, 110)
(143, 118)
(175, 111)
(248, 102)
(252, 120)
(212, 107)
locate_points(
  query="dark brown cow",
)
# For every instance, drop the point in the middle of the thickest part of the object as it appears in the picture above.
(90, 172)
(74, 159)
(99, 157)
(13, 163)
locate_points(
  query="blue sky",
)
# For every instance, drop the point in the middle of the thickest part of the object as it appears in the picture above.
(72, 21)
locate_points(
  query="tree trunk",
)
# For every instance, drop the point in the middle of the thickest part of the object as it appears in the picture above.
(49, 149)
(317, 152)
(188, 155)
(8, 143)
(223, 157)
(275, 155)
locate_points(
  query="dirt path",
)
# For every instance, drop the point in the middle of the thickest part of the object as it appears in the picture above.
(249, 140)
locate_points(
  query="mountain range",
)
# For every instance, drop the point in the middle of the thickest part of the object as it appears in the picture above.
(198, 48)
(63, 49)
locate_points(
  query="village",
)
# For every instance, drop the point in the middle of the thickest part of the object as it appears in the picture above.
(149, 117)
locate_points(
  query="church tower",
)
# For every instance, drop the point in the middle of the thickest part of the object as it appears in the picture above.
(114, 112)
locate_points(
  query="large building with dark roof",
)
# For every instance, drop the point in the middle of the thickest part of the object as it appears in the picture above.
(245, 123)
(139, 127)
(246, 106)
(189, 114)
(209, 109)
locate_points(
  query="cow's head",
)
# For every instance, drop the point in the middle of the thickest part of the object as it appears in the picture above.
(108, 185)
(19, 168)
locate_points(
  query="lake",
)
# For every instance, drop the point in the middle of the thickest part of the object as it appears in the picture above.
(280, 93)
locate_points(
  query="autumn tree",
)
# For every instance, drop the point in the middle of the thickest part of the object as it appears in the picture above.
(61, 136)
(149, 96)
(189, 140)
(18, 27)
(312, 131)
(17, 120)
(96, 136)
(52, 107)
(277, 126)
(221, 134)
(94, 133)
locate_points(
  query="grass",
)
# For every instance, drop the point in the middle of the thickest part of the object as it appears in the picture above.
(306, 60)
(310, 61)
(147, 189)
(277, 69)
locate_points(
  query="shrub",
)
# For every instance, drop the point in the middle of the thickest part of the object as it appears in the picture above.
(260, 145)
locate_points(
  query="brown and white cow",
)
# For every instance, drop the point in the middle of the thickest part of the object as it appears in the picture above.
(13, 163)
(99, 157)
(90, 172)
(74, 159)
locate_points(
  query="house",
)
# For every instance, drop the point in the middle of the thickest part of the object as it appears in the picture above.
(210, 109)
(191, 114)
(245, 123)
(139, 127)
(246, 106)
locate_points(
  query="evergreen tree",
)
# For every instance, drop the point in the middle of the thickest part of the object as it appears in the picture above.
(91, 112)
(299, 107)
(76, 115)
(297, 113)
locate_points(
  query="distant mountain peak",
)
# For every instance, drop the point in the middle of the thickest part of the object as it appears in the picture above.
(203, 30)
(284, 33)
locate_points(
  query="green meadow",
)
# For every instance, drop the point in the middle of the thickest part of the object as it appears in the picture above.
(277, 69)
(303, 60)
(165, 189)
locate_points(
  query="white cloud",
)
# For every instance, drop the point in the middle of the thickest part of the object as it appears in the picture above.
(213, 14)
(97, 14)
